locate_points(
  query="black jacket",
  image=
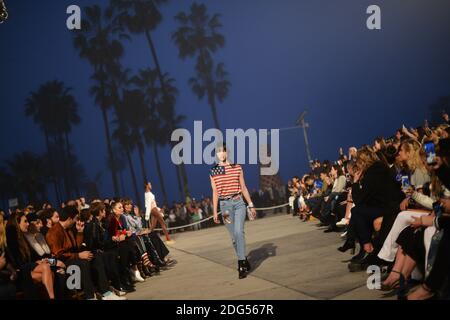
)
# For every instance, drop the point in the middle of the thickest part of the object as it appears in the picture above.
(95, 236)
(378, 188)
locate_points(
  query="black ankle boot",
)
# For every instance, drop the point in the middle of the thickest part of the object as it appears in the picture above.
(242, 269)
(247, 265)
(349, 244)
(147, 271)
(359, 256)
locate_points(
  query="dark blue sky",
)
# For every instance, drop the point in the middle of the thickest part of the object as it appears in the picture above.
(283, 56)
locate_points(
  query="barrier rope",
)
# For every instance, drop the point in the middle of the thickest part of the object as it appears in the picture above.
(209, 218)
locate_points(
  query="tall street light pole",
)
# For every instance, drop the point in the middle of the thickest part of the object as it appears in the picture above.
(301, 123)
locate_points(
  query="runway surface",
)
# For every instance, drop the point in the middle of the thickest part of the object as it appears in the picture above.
(291, 260)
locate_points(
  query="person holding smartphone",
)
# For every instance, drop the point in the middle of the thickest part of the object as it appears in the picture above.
(229, 191)
(33, 268)
(412, 155)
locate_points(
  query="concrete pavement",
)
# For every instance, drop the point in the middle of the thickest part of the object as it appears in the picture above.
(291, 260)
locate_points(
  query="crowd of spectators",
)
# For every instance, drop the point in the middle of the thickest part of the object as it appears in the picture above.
(79, 251)
(392, 200)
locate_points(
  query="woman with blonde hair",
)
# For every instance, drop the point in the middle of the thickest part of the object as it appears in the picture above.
(7, 271)
(412, 155)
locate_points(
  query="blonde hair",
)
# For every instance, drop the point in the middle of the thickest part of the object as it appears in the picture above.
(415, 154)
(2, 233)
(365, 158)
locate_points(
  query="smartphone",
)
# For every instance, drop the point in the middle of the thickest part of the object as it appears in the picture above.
(319, 184)
(430, 151)
(405, 183)
(437, 209)
(52, 261)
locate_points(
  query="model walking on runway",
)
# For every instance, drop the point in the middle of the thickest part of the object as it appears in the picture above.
(154, 213)
(229, 190)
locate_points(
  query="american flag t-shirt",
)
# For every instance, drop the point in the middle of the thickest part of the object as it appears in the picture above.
(226, 179)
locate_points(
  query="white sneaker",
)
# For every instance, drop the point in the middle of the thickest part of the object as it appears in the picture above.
(136, 276)
(113, 296)
(342, 223)
(344, 234)
(117, 292)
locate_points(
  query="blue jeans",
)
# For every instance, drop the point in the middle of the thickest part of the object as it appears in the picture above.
(237, 212)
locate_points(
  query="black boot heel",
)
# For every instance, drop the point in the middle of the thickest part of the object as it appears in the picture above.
(242, 269)
(247, 265)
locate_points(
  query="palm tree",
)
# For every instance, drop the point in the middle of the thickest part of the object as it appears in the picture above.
(98, 43)
(162, 114)
(142, 17)
(198, 35)
(55, 110)
(6, 185)
(123, 136)
(28, 175)
(134, 112)
(120, 165)
(211, 81)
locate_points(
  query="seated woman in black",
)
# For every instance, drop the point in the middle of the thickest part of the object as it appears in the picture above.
(98, 242)
(40, 248)
(31, 266)
(118, 234)
(375, 194)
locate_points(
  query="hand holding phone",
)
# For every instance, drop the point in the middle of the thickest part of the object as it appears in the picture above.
(430, 152)
(405, 183)
(51, 261)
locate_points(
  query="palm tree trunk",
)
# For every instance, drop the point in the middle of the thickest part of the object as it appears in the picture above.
(212, 103)
(141, 152)
(161, 80)
(161, 177)
(52, 168)
(110, 152)
(59, 142)
(133, 175)
(72, 182)
(187, 194)
(180, 186)
(122, 185)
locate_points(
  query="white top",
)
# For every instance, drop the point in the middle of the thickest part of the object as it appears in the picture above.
(150, 203)
(339, 184)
